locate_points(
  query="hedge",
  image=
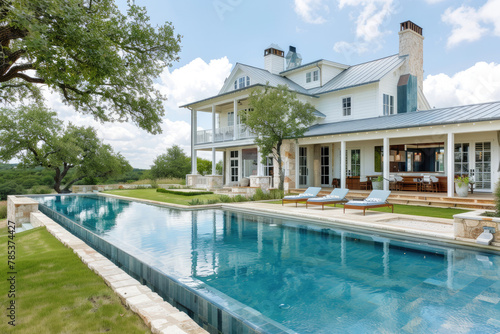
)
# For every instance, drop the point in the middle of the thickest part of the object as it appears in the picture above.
(184, 193)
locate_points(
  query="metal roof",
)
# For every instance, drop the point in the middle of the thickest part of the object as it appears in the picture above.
(261, 76)
(361, 74)
(461, 114)
(318, 113)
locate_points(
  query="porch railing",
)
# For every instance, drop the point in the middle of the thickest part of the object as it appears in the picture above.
(224, 134)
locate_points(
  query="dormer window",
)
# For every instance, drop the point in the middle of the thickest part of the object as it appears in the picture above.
(312, 76)
(242, 82)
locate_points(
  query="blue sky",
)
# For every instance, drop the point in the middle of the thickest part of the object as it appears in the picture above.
(461, 51)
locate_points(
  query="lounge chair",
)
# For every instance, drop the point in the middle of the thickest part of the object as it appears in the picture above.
(337, 196)
(310, 192)
(376, 199)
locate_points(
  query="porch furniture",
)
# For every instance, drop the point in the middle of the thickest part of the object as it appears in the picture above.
(352, 182)
(411, 183)
(395, 182)
(337, 196)
(335, 183)
(310, 192)
(365, 183)
(376, 199)
(430, 183)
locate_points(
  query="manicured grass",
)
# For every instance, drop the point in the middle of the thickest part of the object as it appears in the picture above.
(414, 210)
(161, 181)
(57, 293)
(151, 194)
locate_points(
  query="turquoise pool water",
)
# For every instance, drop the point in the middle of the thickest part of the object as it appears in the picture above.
(308, 278)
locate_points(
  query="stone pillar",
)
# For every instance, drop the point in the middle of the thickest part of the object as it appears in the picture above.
(19, 209)
(387, 153)
(343, 167)
(450, 168)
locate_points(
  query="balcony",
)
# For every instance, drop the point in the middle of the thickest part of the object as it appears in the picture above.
(224, 134)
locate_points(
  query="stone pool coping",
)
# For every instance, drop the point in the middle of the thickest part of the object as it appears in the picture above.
(159, 316)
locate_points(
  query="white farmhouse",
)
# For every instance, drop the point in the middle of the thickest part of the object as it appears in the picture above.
(364, 113)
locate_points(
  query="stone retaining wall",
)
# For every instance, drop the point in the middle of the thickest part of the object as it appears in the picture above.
(468, 226)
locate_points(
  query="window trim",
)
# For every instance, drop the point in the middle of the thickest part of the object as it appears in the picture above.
(242, 82)
(388, 106)
(346, 108)
(312, 76)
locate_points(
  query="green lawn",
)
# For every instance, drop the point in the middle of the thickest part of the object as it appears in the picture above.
(424, 211)
(57, 293)
(151, 194)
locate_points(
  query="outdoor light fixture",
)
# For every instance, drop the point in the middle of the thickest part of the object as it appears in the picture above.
(418, 157)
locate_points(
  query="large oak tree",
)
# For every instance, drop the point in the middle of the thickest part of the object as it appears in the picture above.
(100, 60)
(35, 137)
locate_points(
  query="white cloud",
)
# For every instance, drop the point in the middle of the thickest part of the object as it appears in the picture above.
(373, 15)
(311, 11)
(476, 84)
(194, 81)
(471, 24)
(434, 1)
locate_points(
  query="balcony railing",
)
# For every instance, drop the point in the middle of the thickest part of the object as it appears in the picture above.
(224, 134)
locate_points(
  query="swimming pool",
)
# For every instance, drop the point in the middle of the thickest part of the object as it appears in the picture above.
(307, 278)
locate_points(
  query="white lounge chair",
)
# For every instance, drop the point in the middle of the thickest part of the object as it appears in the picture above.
(376, 199)
(310, 192)
(337, 196)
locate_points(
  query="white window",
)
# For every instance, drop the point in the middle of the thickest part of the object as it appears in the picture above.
(388, 104)
(230, 119)
(242, 82)
(315, 75)
(346, 106)
(312, 76)
(234, 166)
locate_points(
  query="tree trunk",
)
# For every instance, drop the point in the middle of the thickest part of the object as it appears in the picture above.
(60, 176)
(281, 171)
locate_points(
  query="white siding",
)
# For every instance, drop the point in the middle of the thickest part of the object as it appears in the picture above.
(388, 85)
(329, 72)
(363, 103)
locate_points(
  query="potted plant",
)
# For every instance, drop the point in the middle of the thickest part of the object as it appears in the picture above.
(462, 186)
(378, 183)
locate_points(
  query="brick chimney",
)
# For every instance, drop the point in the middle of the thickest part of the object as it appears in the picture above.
(411, 43)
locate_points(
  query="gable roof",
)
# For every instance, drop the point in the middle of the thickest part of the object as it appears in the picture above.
(361, 74)
(452, 115)
(261, 76)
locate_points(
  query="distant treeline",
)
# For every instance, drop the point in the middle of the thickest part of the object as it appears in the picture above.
(15, 180)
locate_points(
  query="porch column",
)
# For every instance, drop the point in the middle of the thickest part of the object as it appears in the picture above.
(213, 161)
(450, 154)
(194, 133)
(343, 166)
(213, 124)
(387, 152)
(235, 126)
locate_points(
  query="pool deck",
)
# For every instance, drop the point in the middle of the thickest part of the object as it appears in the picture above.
(439, 228)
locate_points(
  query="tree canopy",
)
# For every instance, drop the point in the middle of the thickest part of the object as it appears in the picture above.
(276, 114)
(173, 164)
(35, 136)
(101, 61)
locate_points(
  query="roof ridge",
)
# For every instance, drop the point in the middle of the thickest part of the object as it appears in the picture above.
(460, 106)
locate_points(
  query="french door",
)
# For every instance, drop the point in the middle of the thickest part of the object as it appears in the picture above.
(325, 166)
(474, 160)
(303, 171)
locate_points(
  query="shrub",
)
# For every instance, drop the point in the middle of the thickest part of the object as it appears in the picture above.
(38, 190)
(10, 188)
(277, 194)
(225, 199)
(196, 201)
(240, 198)
(260, 196)
(212, 201)
(3, 211)
(154, 184)
(184, 193)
